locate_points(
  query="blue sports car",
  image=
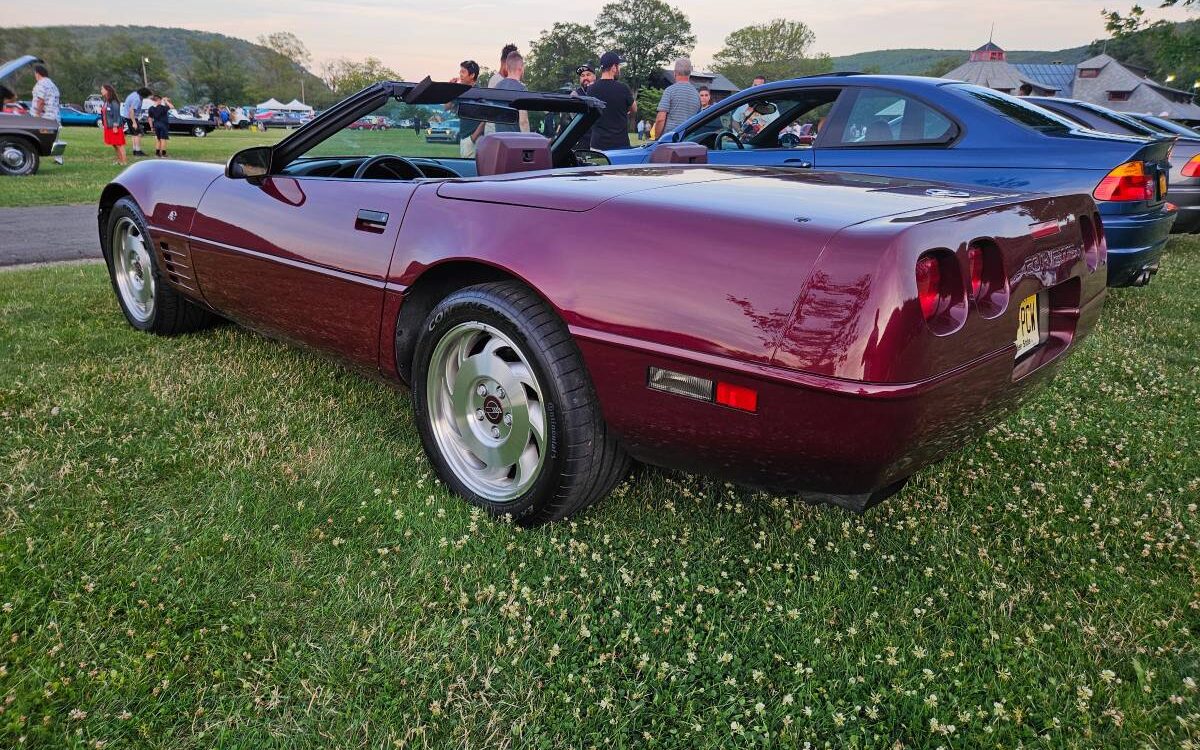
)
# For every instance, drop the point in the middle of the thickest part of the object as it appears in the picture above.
(1184, 190)
(930, 128)
(69, 115)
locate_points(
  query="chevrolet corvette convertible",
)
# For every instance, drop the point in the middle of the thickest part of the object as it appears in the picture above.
(827, 334)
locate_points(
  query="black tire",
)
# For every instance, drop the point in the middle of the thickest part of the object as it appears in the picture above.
(18, 157)
(584, 461)
(172, 313)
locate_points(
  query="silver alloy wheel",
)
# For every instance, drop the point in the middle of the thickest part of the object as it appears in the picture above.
(486, 411)
(132, 269)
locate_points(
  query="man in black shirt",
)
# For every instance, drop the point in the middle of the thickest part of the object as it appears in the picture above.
(612, 129)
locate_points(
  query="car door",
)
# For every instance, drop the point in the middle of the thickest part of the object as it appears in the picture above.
(889, 132)
(775, 128)
(302, 257)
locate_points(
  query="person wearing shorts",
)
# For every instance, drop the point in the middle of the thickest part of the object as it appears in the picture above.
(160, 117)
(129, 117)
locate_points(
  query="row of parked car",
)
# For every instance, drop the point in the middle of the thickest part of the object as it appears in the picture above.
(1143, 172)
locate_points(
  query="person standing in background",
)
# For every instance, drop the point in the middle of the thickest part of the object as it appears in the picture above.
(45, 94)
(587, 76)
(112, 122)
(714, 124)
(515, 64)
(497, 77)
(130, 111)
(501, 74)
(641, 130)
(680, 101)
(612, 129)
(469, 131)
(159, 115)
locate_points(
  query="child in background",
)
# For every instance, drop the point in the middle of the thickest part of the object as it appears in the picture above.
(160, 114)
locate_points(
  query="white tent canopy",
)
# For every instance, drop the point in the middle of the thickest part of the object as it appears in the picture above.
(271, 104)
(296, 105)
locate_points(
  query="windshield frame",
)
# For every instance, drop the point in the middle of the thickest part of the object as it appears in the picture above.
(366, 101)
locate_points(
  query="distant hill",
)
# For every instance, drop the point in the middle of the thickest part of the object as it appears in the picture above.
(917, 61)
(71, 49)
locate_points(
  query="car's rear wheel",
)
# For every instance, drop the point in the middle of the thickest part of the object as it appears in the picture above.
(148, 302)
(199, 132)
(506, 410)
(18, 157)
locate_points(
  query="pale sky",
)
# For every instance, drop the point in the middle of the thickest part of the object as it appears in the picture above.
(419, 37)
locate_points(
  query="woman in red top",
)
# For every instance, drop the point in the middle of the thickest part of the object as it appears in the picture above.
(110, 117)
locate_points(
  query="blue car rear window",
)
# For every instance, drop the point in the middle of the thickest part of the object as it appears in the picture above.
(1015, 109)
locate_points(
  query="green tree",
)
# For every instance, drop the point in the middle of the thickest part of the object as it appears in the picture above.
(648, 34)
(345, 76)
(647, 101)
(777, 49)
(282, 65)
(71, 67)
(1162, 48)
(215, 73)
(555, 54)
(119, 62)
(943, 66)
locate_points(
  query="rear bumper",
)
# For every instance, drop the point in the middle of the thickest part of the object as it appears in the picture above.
(844, 442)
(1188, 200)
(1135, 243)
(58, 148)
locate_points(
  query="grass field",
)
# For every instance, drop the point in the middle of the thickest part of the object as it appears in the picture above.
(90, 165)
(220, 541)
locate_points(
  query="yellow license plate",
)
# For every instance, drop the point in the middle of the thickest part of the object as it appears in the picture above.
(1029, 332)
(1162, 185)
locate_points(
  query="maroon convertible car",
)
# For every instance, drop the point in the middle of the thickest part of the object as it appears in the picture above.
(822, 333)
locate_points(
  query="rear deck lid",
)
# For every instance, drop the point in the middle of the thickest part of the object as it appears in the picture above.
(741, 190)
(578, 190)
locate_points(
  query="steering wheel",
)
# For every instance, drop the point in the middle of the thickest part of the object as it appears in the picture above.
(719, 140)
(399, 167)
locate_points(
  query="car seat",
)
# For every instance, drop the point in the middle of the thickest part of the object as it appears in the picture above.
(879, 130)
(506, 153)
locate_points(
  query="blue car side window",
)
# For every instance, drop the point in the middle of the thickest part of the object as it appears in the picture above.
(881, 118)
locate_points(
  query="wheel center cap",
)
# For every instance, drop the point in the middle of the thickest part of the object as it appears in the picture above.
(492, 409)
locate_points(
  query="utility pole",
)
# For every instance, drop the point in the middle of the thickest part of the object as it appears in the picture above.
(302, 87)
(145, 80)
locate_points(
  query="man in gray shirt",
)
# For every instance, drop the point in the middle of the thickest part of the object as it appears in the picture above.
(680, 101)
(515, 65)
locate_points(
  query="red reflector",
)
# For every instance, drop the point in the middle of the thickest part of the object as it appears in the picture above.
(929, 285)
(737, 396)
(1045, 229)
(1169, 207)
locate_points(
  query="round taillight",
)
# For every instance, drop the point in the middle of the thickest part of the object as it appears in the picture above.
(929, 285)
(986, 279)
(940, 291)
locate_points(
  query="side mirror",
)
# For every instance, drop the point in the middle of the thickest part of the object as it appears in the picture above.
(249, 164)
(586, 157)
